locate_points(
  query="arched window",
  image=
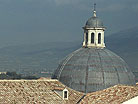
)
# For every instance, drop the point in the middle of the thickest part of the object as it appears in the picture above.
(92, 37)
(99, 38)
(65, 94)
(86, 38)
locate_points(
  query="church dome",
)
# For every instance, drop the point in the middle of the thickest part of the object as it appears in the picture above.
(94, 22)
(93, 69)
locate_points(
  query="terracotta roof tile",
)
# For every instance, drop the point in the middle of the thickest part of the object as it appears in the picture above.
(59, 88)
(35, 91)
(43, 91)
(113, 95)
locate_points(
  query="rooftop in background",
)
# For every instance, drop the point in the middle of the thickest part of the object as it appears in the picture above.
(113, 95)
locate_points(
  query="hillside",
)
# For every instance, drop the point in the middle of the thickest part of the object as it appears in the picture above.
(125, 44)
(38, 59)
(42, 59)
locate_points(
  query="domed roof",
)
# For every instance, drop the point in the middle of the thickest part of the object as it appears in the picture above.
(92, 69)
(94, 22)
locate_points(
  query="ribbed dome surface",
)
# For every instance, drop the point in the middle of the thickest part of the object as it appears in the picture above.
(94, 22)
(91, 69)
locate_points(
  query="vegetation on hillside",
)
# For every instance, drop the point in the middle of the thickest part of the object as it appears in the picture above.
(14, 75)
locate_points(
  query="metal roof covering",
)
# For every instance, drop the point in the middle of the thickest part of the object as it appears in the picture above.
(94, 22)
(92, 69)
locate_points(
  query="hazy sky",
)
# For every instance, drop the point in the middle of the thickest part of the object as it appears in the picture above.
(34, 21)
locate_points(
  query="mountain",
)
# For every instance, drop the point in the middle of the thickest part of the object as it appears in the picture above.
(37, 59)
(43, 58)
(125, 44)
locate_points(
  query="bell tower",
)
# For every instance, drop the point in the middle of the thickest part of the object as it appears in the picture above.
(94, 32)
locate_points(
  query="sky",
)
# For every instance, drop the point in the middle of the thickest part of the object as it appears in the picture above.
(36, 21)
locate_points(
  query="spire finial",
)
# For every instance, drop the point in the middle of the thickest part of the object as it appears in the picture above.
(94, 6)
(94, 12)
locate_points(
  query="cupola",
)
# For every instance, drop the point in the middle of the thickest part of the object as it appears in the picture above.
(94, 32)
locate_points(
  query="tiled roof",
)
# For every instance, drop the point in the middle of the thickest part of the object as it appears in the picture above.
(44, 92)
(113, 95)
(35, 92)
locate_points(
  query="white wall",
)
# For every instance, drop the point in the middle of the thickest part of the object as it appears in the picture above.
(95, 44)
(132, 101)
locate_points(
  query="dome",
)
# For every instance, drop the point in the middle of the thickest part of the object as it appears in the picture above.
(93, 69)
(94, 22)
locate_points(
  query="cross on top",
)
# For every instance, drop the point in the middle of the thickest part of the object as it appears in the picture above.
(94, 6)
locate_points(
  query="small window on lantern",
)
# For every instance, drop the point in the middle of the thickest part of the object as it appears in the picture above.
(99, 38)
(92, 37)
(86, 38)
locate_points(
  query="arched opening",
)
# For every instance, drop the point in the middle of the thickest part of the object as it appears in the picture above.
(99, 38)
(65, 94)
(86, 38)
(92, 37)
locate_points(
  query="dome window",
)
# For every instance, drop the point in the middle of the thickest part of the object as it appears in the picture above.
(99, 38)
(86, 38)
(92, 37)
